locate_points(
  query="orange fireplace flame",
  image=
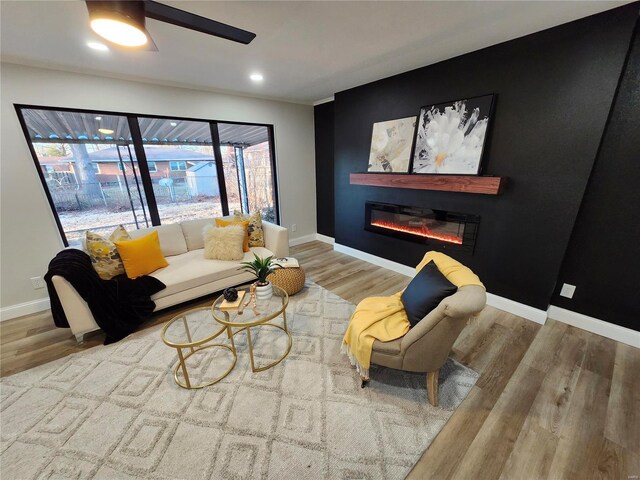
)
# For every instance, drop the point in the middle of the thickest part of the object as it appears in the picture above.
(422, 231)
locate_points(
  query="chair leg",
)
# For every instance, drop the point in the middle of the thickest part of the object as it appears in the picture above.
(432, 388)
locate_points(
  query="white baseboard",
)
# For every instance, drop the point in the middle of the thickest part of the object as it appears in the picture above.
(26, 308)
(300, 240)
(594, 325)
(517, 308)
(381, 262)
(325, 239)
(511, 306)
(310, 238)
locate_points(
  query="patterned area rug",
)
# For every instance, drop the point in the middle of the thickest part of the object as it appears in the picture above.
(115, 412)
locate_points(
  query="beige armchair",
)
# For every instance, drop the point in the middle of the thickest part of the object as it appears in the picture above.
(425, 347)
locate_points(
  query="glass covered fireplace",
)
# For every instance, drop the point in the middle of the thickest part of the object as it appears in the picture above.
(448, 230)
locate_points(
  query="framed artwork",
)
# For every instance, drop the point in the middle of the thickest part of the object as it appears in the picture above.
(451, 136)
(391, 145)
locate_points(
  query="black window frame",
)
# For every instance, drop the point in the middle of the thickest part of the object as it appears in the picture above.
(138, 146)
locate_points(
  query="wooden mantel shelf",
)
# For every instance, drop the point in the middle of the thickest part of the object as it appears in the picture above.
(445, 183)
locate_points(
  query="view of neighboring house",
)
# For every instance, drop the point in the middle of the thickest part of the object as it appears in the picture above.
(163, 162)
(199, 179)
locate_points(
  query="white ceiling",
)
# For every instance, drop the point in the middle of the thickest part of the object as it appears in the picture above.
(306, 51)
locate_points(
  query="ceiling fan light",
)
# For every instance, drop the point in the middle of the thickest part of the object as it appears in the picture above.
(120, 22)
(119, 32)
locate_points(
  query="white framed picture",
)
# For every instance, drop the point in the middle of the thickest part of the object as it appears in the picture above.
(391, 145)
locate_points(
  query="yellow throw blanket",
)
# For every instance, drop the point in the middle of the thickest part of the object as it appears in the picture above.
(384, 318)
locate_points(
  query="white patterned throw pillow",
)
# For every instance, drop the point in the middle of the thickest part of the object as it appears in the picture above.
(223, 243)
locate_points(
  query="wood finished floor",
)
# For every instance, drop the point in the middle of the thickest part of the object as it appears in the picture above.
(552, 401)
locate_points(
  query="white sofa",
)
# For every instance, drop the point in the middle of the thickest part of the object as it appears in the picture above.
(188, 276)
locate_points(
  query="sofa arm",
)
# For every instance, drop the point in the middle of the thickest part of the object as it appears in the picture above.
(276, 239)
(467, 301)
(76, 310)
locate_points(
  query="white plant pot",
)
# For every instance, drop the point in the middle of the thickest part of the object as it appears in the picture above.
(264, 292)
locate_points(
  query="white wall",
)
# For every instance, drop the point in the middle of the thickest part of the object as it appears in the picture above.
(28, 234)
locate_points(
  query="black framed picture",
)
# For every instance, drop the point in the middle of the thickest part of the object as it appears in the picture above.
(450, 136)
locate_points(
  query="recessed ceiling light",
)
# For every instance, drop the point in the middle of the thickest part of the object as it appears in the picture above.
(105, 131)
(256, 77)
(98, 46)
(173, 124)
(98, 118)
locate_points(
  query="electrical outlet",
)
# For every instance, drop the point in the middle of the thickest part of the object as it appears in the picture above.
(567, 290)
(294, 227)
(37, 283)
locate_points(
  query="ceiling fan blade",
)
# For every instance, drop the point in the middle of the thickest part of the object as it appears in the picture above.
(175, 16)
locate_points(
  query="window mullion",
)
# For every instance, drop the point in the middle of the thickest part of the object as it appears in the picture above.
(215, 138)
(274, 173)
(143, 167)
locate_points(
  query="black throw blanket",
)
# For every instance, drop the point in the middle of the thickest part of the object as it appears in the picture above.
(118, 305)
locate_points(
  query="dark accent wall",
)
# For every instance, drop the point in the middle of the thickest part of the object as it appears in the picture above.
(603, 257)
(325, 204)
(554, 90)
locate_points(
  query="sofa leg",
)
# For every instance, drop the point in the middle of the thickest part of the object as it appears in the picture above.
(432, 388)
(80, 338)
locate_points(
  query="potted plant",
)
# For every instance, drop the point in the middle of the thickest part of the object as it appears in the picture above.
(261, 268)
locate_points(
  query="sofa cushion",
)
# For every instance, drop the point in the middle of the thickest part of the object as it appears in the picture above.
(171, 238)
(191, 270)
(141, 256)
(221, 222)
(223, 243)
(256, 234)
(193, 232)
(104, 254)
(388, 348)
(425, 292)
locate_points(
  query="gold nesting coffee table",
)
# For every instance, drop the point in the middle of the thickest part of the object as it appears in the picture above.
(265, 311)
(193, 330)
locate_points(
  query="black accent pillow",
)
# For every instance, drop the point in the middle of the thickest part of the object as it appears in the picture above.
(425, 292)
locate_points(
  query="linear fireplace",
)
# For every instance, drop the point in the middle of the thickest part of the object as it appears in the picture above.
(448, 230)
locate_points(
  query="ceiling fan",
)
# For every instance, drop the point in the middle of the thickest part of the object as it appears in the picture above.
(123, 22)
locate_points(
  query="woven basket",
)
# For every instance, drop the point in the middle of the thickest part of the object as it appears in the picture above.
(291, 280)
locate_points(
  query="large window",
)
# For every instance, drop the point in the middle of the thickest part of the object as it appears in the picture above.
(185, 182)
(248, 168)
(100, 169)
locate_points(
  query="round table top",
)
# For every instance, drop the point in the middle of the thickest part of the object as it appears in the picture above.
(191, 328)
(266, 310)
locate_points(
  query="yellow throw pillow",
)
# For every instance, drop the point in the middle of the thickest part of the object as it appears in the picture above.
(256, 235)
(142, 255)
(104, 254)
(245, 224)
